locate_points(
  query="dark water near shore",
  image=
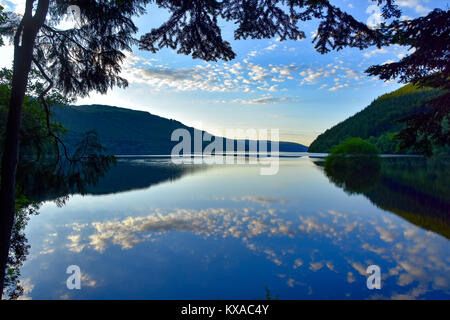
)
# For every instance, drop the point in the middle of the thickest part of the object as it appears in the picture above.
(154, 230)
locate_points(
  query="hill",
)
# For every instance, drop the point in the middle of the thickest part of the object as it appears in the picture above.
(377, 122)
(128, 132)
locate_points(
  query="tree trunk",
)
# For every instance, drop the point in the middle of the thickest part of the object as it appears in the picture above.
(23, 54)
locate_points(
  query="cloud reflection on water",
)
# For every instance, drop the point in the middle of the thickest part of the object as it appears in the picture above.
(414, 256)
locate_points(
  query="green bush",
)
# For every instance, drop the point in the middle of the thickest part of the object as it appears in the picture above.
(354, 154)
(355, 147)
(353, 165)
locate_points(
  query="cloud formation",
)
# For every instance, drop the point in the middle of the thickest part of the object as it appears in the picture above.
(416, 5)
(265, 100)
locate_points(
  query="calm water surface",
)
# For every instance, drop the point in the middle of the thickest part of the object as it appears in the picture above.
(154, 230)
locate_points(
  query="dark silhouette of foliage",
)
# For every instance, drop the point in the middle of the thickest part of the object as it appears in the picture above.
(193, 26)
(73, 62)
(192, 29)
(88, 57)
(428, 63)
(427, 128)
(269, 294)
(42, 168)
(427, 66)
(34, 131)
(19, 247)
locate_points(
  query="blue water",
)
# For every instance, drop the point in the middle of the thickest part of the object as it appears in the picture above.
(227, 232)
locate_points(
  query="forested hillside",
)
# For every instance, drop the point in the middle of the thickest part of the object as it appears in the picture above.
(377, 122)
(128, 132)
(121, 131)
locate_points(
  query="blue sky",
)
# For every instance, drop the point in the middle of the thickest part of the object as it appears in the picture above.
(270, 84)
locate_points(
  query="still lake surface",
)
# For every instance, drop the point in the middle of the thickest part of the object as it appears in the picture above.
(151, 229)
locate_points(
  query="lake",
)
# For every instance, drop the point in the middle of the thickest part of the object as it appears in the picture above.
(151, 229)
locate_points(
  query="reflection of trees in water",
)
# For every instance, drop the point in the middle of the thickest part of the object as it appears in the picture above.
(354, 174)
(33, 180)
(19, 248)
(416, 189)
(133, 174)
(124, 176)
(49, 181)
(46, 180)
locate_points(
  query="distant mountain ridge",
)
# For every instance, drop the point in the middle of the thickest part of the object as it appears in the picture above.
(129, 132)
(377, 122)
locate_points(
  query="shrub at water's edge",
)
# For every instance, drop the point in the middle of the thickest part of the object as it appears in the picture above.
(353, 165)
(355, 146)
(348, 153)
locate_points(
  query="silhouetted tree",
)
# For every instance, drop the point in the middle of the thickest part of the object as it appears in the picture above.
(73, 62)
(428, 65)
(39, 173)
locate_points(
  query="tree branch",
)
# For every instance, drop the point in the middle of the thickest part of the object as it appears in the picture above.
(47, 113)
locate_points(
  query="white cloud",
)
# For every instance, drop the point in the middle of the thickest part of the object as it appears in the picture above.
(375, 17)
(257, 72)
(311, 76)
(386, 235)
(374, 52)
(271, 89)
(350, 277)
(7, 54)
(236, 68)
(265, 100)
(87, 281)
(388, 61)
(415, 5)
(18, 6)
(74, 245)
(27, 288)
(272, 47)
(339, 87)
(290, 282)
(297, 263)
(316, 266)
